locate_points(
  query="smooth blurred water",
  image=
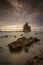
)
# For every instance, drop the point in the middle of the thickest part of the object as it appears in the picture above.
(7, 58)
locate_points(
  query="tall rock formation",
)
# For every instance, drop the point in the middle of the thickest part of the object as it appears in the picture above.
(26, 28)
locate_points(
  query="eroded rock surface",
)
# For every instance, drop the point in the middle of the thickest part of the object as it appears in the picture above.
(22, 43)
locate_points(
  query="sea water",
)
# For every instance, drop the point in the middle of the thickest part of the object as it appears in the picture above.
(7, 58)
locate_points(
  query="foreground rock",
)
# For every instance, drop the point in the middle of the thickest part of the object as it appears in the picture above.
(22, 43)
(5, 63)
(0, 47)
(37, 60)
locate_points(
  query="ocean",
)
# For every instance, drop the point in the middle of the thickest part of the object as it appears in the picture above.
(8, 58)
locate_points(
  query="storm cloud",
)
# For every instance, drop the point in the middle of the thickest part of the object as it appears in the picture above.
(5, 4)
(32, 4)
(13, 11)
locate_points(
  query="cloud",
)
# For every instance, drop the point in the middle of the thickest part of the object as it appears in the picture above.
(30, 5)
(16, 4)
(5, 4)
(20, 10)
(34, 4)
(10, 4)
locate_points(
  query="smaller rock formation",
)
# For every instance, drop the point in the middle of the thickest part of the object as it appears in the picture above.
(36, 40)
(26, 28)
(4, 36)
(15, 36)
(21, 35)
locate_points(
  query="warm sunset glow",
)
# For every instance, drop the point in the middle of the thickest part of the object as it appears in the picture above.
(11, 28)
(17, 27)
(15, 13)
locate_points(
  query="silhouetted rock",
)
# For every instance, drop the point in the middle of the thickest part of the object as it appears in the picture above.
(26, 28)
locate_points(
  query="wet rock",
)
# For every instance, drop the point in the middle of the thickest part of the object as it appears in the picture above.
(36, 33)
(37, 60)
(6, 36)
(18, 44)
(22, 43)
(15, 36)
(29, 63)
(36, 40)
(16, 49)
(26, 50)
(0, 47)
(31, 38)
(36, 57)
(21, 34)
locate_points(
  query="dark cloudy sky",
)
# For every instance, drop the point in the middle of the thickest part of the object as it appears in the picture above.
(17, 12)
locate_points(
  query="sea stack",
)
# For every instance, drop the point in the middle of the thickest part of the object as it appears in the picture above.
(26, 28)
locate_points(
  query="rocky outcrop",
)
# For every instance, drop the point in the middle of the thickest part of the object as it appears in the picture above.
(26, 28)
(4, 36)
(36, 60)
(21, 35)
(0, 47)
(21, 43)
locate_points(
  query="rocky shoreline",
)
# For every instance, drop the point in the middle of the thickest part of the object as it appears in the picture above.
(22, 43)
(36, 60)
